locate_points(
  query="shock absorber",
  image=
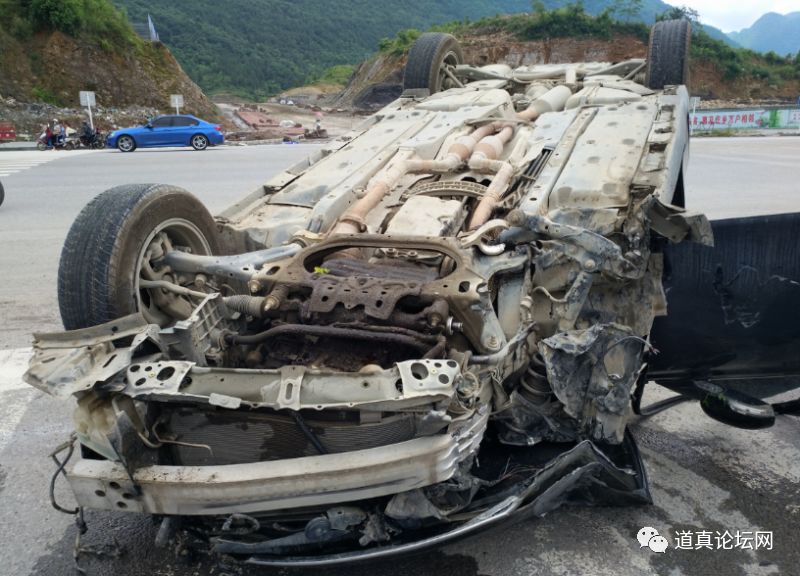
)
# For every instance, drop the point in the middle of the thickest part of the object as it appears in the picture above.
(533, 384)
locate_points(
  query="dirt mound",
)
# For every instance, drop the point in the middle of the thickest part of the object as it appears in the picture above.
(375, 83)
(505, 48)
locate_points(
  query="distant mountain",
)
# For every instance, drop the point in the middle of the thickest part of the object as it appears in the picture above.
(259, 47)
(772, 32)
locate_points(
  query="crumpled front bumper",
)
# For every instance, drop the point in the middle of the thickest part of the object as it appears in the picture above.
(583, 475)
(279, 484)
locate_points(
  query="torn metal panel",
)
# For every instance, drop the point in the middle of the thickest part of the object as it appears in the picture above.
(592, 372)
(69, 363)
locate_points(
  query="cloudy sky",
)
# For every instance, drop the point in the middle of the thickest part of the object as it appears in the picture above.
(736, 14)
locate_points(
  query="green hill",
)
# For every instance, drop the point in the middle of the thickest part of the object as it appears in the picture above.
(52, 49)
(259, 47)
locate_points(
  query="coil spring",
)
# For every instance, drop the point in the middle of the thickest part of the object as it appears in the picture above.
(533, 384)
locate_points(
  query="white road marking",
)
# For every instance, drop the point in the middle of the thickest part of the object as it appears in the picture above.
(18, 160)
(13, 364)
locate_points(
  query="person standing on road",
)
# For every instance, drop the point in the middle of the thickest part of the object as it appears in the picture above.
(48, 135)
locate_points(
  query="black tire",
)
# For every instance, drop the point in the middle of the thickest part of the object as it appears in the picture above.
(41, 146)
(668, 54)
(126, 143)
(98, 275)
(199, 141)
(427, 58)
(2, 194)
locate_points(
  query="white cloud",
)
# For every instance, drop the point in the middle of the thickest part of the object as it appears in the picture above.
(738, 14)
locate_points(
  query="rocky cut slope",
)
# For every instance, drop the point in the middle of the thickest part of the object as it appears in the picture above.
(49, 53)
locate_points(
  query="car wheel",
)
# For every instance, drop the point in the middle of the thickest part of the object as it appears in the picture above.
(113, 245)
(2, 194)
(668, 54)
(428, 60)
(126, 144)
(199, 142)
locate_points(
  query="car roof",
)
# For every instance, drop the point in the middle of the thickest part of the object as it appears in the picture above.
(179, 116)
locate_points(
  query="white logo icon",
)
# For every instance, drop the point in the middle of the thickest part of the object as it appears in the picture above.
(650, 537)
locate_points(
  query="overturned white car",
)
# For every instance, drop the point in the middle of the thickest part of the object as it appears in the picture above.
(441, 320)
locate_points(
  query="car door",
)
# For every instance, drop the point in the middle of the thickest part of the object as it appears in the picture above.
(158, 132)
(184, 127)
(733, 309)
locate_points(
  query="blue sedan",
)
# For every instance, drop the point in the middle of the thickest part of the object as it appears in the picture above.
(173, 130)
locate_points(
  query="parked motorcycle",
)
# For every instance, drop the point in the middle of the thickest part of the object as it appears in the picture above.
(97, 140)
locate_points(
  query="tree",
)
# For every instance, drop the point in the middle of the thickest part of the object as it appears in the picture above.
(680, 13)
(63, 15)
(538, 7)
(626, 9)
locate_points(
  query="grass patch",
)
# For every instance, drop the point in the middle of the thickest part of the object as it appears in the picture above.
(338, 75)
(45, 95)
(400, 44)
(97, 22)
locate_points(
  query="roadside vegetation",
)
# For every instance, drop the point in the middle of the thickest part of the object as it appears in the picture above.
(97, 21)
(337, 75)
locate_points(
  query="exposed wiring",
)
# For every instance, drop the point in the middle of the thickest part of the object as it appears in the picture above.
(649, 347)
(179, 443)
(308, 432)
(546, 292)
(69, 445)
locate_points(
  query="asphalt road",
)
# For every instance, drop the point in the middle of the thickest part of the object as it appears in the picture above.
(43, 200)
(731, 177)
(704, 476)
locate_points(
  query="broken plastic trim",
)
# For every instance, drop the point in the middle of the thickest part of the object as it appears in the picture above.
(583, 474)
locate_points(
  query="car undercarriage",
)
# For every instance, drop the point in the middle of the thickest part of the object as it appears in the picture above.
(435, 323)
